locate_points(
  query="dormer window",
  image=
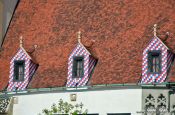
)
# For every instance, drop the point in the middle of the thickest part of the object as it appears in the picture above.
(78, 67)
(154, 61)
(81, 64)
(19, 70)
(22, 68)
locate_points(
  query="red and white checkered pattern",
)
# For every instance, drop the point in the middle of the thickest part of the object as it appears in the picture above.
(29, 70)
(166, 59)
(89, 63)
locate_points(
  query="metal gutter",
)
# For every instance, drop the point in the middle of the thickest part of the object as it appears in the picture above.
(85, 88)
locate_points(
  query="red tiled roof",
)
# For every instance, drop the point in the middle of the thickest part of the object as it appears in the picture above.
(120, 29)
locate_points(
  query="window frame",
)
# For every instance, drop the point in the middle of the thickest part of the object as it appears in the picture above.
(16, 74)
(150, 60)
(74, 67)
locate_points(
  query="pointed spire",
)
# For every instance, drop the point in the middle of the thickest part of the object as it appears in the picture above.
(79, 36)
(21, 41)
(155, 29)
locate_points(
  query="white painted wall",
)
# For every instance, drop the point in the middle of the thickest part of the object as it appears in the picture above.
(102, 101)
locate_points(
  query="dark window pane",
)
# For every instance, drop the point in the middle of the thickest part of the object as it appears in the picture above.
(18, 70)
(154, 61)
(21, 72)
(78, 67)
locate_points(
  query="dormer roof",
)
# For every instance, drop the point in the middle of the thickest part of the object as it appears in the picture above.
(155, 35)
(161, 42)
(23, 49)
(26, 53)
(84, 48)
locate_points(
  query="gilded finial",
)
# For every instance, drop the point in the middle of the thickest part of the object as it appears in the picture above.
(21, 41)
(155, 29)
(79, 36)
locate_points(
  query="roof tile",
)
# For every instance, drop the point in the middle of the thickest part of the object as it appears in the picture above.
(120, 29)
